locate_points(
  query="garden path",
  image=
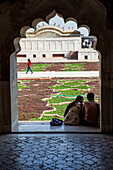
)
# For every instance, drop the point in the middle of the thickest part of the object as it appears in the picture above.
(35, 75)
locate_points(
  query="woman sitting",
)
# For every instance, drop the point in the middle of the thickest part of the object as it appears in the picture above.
(73, 113)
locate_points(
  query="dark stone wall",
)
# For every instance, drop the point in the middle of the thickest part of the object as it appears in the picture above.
(14, 14)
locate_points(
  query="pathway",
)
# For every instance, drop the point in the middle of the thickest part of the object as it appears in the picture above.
(51, 74)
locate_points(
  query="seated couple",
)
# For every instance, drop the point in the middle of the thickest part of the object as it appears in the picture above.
(78, 113)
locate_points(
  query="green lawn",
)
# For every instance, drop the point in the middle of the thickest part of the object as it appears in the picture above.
(59, 100)
(67, 67)
(38, 67)
(60, 109)
(71, 93)
(21, 85)
(45, 118)
(74, 67)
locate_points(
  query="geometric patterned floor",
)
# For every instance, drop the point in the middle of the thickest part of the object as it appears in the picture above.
(56, 151)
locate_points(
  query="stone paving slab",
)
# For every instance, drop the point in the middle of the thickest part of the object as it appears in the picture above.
(53, 74)
(26, 126)
(56, 151)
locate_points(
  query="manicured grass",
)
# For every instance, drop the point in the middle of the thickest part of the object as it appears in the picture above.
(71, 84)
(49, 118)
(74, 82)
(62, 81)
(65, 91)
(71, 92)
(84, 87)
(74, 67)
(25, 81)
(60, 109)
(59, 86)
(67, 67)
(59, 100)
(21, 85)
(38, 67)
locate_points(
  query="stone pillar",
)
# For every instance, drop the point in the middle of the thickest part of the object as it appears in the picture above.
(107, 84)
(13, 91)
(5, 93)
(28, 46)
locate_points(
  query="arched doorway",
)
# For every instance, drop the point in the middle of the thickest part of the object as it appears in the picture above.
(23, 30)
(72, 39)
(93, 15)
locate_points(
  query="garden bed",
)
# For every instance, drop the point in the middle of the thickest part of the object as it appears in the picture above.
(86, 66)
(36, 98)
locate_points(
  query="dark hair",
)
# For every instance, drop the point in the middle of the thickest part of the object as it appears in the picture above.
(29, 60)
(78, 98)
(90, 96)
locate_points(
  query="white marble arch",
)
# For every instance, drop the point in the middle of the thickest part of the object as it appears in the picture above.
(53, 39)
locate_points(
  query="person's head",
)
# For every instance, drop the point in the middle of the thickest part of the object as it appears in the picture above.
(90, 96)
(79, 99)
(29, 60)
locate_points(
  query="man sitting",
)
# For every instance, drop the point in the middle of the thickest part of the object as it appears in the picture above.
(90, 111)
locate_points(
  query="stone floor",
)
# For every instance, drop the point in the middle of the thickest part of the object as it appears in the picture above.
(56, 151)
(43, 127)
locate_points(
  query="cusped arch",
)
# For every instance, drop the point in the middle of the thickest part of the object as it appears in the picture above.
(71, 19)
(63, 23)
(23, 31)
(36, 21)
(51, 15)
(85, 26)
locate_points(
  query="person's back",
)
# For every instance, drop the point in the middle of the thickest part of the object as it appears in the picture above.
(91, 110)
(29, 63)
(73, 112)
(72, 118)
